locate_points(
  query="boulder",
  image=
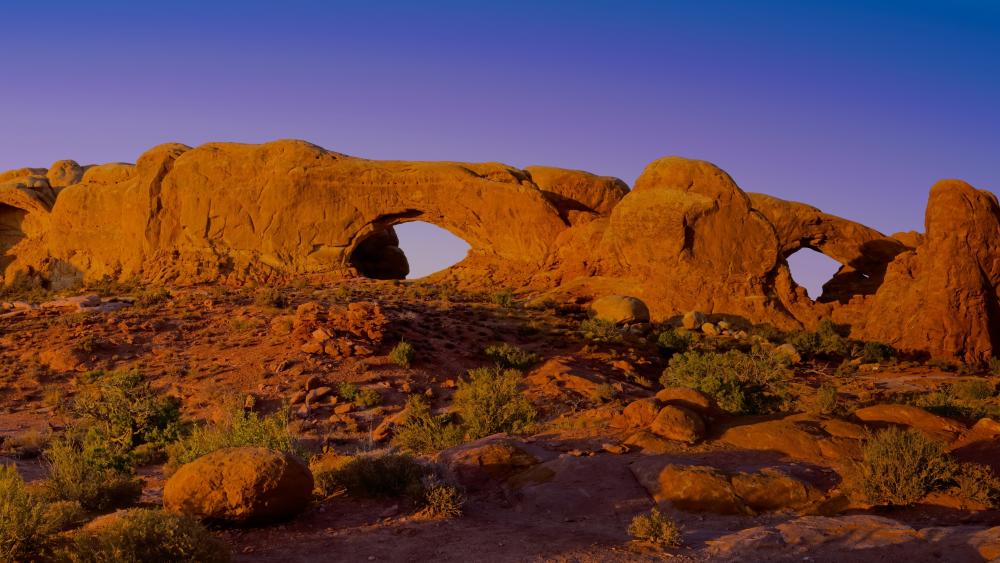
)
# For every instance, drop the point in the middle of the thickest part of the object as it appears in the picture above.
(488, 461)
(240, 485)
(693, 320)
(914, 417)
(641, 412)
(679, 424)
(794, 439)
(620, 309)
(691, 399)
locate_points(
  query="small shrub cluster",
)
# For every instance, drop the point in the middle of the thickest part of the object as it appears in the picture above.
(442, 500)
(374, 474)
(147, 535)
(599, 330)
(673, 341)
(27, 522)
(270, 297)
(504, 298)
(239, 428)
(741, 382)
(971, 399)
(899, 467)
(489, 401)
(829, 341)
(510, 356)
(827, 398)
(422, 432)
(655, 527)
(402, 354)
(83, 468)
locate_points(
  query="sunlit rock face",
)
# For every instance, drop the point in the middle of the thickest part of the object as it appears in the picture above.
(685, 238)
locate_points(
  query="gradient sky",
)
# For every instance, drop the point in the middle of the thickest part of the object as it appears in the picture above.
(855, 107)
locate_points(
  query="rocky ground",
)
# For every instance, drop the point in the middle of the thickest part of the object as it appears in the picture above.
(609, 441)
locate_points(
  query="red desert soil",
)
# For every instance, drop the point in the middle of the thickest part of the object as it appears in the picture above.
(210, 344)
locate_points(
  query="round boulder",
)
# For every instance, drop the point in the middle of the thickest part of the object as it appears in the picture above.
(620, 309)
(678, 424)
(240, 485)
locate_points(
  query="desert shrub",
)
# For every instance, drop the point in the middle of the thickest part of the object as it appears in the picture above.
(877, 353)
(972, 390)
(367, 397)
(27, 444)
(375, 474)
(503, 298)
(238, 428)
(767, 332)
(24, 529)
(977, 482)
(150, 297)
(402, 354)
(442, 500)
(63, 515)
(900, 467)
(655, 527)
(673, 341)
(421, 432)
(489, 401)
(993, 366)
(508, 356)
(600, 330)
(126, 411)
(826, 398)
(827, 342)
(270, 297)
(347, 391)
(605, 393)
(84, 469)
(966, 399)
(741, 382)
(142, 535)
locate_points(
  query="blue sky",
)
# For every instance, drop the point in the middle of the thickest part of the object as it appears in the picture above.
(855, 107)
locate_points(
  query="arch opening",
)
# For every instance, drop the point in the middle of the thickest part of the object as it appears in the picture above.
(11, 233)
(813, 271)
(408, 250)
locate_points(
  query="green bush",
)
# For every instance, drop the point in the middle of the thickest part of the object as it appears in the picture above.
(673, 341)
(970, 400)
(509, 356)
(972, 390)
(442, 500)
(742, 383)
(900, 467)
(238, 429)
(122, 406)
(367, 397)
(977, 482)
(826, 398)
(421, 432)
(655, 527)
(402, 354)
(24, 526)
(826, 342)
(270, 297)
(347, 391)
(504, 298)
(877, 353)
(142, 535)
(489, 401)
(83, 469)
(375, 474)
(600, 331)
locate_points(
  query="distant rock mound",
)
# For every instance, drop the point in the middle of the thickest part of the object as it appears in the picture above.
(685, 238)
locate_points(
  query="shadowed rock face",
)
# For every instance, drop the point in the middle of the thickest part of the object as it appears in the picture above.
(686, 237)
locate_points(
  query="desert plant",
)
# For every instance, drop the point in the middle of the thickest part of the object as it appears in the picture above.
(421, 432)
(827, 342)
(826, 398)
(489, 401)
(270, 297)
(24, 529)
(402, 354)
(147, 535)
(742, 383)
(347, 391)
(442, 500)
(900, 467)
(26, 444)
(600, 330)
(375, 474)
(508, 355)
(673, 341)
(504, 298)
(83, 469)
(977, 482)
(877, 353)
(367, 397)
(150, 297)
(972, 390)
(238, 428)
(655, 527)
(123, 406)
